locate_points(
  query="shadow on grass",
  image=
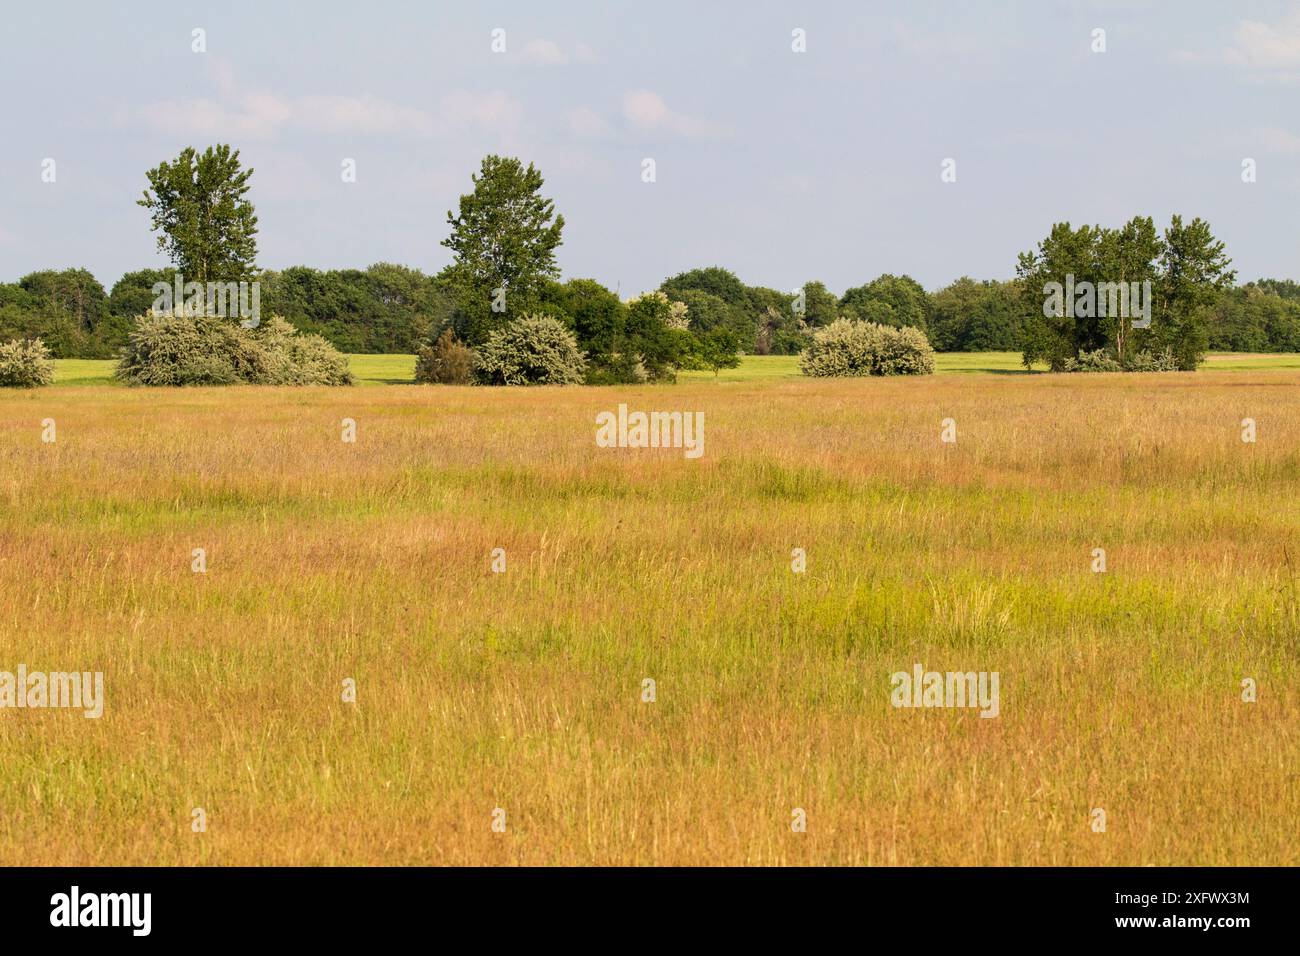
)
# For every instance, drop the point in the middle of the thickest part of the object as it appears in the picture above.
(993, 371)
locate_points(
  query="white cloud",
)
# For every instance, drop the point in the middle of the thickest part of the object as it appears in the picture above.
(544, 53)
(1267, 53)
(588, 124)
(647, 111)
(1261, 46)
(264, 116)
(1276, 140)
(496, 109)
(644, 108)
(359, 114)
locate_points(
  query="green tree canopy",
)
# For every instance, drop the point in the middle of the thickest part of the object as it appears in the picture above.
(907, 301)
(206, 224)
(714, 280)
(1187, 270)
(504, 238)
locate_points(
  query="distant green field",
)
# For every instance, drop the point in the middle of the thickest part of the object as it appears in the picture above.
(754, 367)
(383, 369)
(83, 372)
(368, 369)
(400, 369)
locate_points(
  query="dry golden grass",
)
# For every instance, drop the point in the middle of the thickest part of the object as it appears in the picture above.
(522, 690)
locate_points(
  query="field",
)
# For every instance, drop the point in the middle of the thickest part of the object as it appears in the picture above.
(327, 561)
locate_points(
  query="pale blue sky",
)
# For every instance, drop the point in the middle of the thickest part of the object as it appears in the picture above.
(781, 166)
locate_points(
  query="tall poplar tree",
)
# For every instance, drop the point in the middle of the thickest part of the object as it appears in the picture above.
(198, 205)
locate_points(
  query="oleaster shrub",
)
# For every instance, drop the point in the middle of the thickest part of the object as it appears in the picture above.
(532, 350)
(1146, 361)
(298, 358)
(199, 350)
(905, 351)
(184, 350)
(446, 362)
(847, 347)
(1104, 360)
(25, 363)
(1098, 361)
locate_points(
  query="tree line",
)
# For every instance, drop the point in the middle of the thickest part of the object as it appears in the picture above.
(388, 308)
(504, 235)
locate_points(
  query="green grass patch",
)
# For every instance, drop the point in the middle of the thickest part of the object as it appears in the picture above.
(400, 369)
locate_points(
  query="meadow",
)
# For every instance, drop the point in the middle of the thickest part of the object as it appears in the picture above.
(523, 690)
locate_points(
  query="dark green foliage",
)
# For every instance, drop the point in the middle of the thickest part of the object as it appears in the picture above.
(780, 331)
(1187, 271)
(970, 316)
(1193, 274)
(504, 238)
(1255, 318)
(763, 321)
(68, 310)
(731, 304)
(704, 310)
(133, 295)
(714, 280)
(386, 308)
(821, 307)
(662, 349)
(596, 314)
(889, 300)
(716, 350)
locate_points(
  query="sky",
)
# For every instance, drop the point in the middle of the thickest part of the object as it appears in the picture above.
(781, 165)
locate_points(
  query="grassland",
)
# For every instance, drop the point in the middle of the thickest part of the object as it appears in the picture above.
(522, 690)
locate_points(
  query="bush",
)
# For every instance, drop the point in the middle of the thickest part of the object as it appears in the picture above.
(905, 351)
(1099, 361)
(849, 348)
(446, 362)
(532, 350)
(616, 368)
(1104, 360)
(1144, 361)
(25, 363)
(295, 358)
(182, 350)
(199, 350)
